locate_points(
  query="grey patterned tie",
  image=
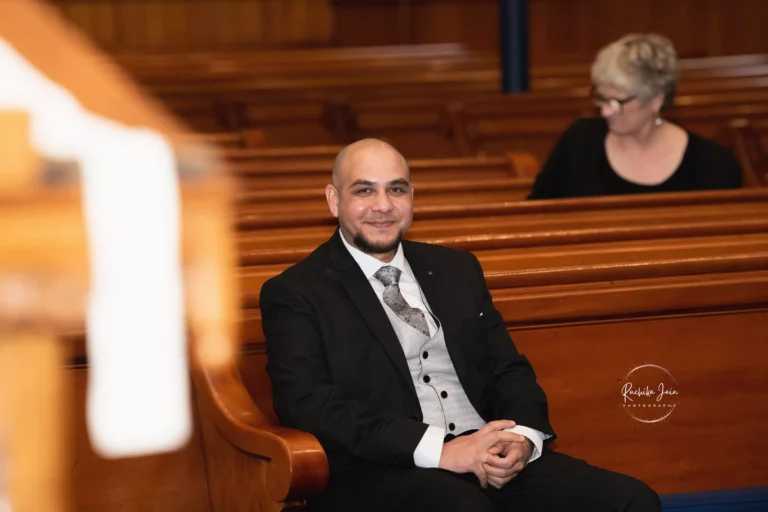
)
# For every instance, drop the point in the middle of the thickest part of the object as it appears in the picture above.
(390, 278)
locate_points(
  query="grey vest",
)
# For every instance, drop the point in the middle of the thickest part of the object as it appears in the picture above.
(443, 401)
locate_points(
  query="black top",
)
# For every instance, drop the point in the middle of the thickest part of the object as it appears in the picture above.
(578, 166)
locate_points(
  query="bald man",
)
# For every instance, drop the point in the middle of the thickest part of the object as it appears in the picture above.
(393, 355)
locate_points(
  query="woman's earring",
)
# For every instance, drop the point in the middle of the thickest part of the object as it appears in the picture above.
(658, 120)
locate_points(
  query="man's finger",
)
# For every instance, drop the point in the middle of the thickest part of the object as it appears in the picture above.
(497, 448)
(519, 438)
(500, 462)
(493, 471)
(481, 476)
(500, 436)
(497, 482)
(497, 425)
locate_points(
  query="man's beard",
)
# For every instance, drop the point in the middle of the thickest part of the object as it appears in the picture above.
(370, 248)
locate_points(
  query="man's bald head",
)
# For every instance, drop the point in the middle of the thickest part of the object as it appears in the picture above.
(358, 153)
(372, 197)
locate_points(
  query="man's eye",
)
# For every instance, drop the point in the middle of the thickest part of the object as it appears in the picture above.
(362, 191)
(398, 190)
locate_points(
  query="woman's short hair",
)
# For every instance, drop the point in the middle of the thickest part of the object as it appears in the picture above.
(639, 64)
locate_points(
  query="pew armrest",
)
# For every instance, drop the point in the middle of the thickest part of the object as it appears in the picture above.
(524, 164)
(297, 468)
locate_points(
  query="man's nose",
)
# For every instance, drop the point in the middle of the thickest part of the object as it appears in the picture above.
(383, 202)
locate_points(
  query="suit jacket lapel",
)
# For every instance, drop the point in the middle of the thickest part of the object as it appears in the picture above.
(432, 281)
(363, 296)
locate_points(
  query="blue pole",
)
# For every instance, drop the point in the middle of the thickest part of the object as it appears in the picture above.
(513, 32)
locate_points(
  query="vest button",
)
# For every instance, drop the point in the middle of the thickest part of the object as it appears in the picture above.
(425, 354)
(444, 394)
(426, 379)
(451, 427)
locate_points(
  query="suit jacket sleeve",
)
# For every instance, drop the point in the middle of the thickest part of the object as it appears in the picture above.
(512, 390)
(305, 396)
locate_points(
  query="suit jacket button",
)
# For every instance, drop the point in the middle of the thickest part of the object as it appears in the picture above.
(451, 427)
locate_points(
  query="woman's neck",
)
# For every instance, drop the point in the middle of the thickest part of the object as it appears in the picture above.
(640, 140)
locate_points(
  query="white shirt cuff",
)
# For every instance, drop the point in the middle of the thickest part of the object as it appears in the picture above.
(429, 449)
(535, 436)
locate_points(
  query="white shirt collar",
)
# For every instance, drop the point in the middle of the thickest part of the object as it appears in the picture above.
(370, 265)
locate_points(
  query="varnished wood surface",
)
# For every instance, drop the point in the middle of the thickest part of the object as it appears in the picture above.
(716, 436)
(167, 482)
(168, 25)
(562, 31)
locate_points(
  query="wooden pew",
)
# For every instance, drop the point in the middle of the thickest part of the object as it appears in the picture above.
(274, 102)
(159, 66)
(422, 124)
(538, 134)
(254, 174)
(698, 310)
(307, 106)
(440, 192)
(686, 65)
(425, 125)
(255, 217)
(691, 284)
(609, 288)
(266, 155)
(749, 141)
(299, 64)
(532, 224)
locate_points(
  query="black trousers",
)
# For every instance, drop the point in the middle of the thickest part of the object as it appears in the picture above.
(553, 482)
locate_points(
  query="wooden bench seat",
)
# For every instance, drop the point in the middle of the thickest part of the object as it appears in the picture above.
(258, 217)
(441, 192)
(686, 64)
(289, 154)
(423, 124)
(698, 311)
(524, 268)
(523, 230)
(481, 68)
(244, 63)
(281, 245)
(537, 134)
(418, 109)
(748, 139)
(257, 175)
(484, 234)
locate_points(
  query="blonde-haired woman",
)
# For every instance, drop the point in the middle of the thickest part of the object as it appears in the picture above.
(632, 149)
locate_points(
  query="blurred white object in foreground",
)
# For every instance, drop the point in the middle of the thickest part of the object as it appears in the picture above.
(138, 395)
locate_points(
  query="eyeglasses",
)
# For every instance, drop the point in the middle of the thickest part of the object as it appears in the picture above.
(615, 104)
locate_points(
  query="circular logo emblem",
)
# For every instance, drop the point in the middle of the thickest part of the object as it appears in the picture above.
(649, 393)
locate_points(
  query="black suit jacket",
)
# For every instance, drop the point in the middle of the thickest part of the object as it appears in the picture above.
(338, 370)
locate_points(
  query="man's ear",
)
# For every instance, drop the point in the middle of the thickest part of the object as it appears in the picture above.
(332, 196)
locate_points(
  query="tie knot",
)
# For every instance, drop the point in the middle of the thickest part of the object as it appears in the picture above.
(388, 275)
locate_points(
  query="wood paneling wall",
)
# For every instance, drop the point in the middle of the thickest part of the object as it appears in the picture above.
(195, 25)
(573, 30)
(561, 31)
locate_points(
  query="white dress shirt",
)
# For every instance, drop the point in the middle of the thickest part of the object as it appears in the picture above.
(429, 449)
